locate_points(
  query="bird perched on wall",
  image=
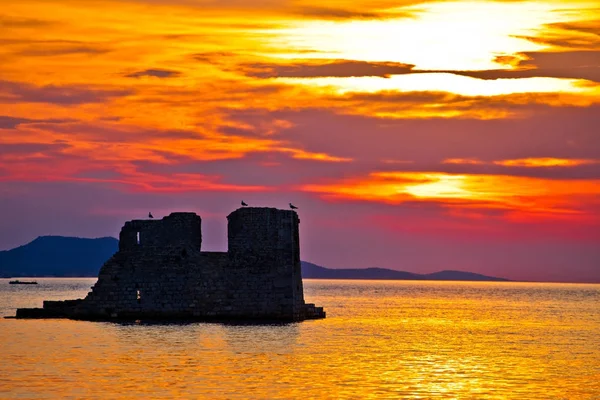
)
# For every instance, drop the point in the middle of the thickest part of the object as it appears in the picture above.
(150, 215)
(244, 204)
(293, 207)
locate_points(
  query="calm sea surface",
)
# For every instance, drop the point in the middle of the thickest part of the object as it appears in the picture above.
(381, 340)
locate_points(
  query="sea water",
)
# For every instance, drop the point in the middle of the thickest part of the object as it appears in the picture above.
(380, 340)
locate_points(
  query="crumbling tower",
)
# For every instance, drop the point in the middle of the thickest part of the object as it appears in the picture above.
(160, 272)
(180, 229)
(265, 242)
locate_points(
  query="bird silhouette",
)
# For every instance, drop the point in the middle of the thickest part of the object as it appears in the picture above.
(293, 207)
(150, 215)
(244, 204)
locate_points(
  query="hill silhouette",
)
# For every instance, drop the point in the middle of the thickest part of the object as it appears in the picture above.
(314, 271)
(60, 256)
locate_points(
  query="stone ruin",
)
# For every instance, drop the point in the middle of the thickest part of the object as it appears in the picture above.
(160, 273)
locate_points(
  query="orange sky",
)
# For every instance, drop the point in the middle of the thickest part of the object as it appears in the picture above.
(416, 135)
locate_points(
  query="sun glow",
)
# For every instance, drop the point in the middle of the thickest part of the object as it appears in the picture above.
(445, 82)
(434, 36)
(465, 190)
(439, 186)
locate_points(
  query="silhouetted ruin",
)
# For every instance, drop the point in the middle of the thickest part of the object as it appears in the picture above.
(160, 272)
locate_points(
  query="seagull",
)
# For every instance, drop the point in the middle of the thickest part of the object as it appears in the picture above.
(293, 207)
(244, 204)
(150, 215)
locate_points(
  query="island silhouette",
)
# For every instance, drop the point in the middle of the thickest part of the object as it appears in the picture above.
(63, 256)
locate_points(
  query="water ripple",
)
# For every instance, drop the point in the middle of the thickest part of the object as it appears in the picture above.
(413, 340)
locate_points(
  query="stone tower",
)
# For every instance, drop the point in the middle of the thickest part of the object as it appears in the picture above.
(265, 241)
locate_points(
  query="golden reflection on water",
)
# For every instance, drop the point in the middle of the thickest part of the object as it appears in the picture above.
(381, 340)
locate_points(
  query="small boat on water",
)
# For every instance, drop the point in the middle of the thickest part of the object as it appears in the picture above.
(18, 282)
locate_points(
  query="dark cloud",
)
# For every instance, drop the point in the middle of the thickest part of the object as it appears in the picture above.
(504, 106)
(341, 13)
(17, 22)
(61, 50)
(210, 56)
(586, 27)
(566, 132)
(292, 7)
(99, 174)
(241, 4)
(578, 64)
(156, 73)
(418, 98)
(268, 168)
(584, 35)
(32, 148)
(335, 13)
(111, 132)
(564, 64)
(7, 122)
(336, 68)
(562, 59)
(11, 122)
(565, 41)
(11, 92)
(110, 119)
(240, 131)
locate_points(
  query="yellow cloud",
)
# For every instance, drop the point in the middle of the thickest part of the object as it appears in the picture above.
(546, 162)
(525, 194)
(453, 35)
(470, 161)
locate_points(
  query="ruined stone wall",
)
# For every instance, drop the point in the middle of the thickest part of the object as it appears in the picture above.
(169, 283)
(167, 276)
(178, 229)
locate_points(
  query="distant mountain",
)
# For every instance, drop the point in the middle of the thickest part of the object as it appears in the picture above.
(58, 256)
(313, 271)
(449, 275)
(69, 256)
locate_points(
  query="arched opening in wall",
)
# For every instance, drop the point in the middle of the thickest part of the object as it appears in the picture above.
(137, 238)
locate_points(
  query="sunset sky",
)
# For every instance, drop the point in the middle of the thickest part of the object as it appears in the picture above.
(413, 135)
